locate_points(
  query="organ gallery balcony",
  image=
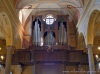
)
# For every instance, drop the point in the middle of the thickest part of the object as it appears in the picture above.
(51, 45)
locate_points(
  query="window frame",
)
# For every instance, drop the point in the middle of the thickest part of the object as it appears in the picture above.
(49, 20)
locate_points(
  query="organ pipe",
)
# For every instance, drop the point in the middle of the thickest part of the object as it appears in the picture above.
(36, 34)
(62, 34)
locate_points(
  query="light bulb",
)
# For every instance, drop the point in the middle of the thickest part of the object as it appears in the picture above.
(99, 48)
(2, 57)
(96, 56)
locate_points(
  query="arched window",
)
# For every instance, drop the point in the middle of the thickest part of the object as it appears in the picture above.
(49, 19)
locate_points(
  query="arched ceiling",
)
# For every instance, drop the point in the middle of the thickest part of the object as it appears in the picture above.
(72, 8)
(76, 3)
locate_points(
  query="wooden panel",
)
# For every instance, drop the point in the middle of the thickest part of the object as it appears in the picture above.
(49, 68)
(38, 55)
(53, 56)
(75, 56)
(22, 57)
(84, 58)
(58, 56)
(45, 56)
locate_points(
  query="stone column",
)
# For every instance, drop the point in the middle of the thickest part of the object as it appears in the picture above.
(34, 66)
(8, 59)
(91, 59)
(2, 70)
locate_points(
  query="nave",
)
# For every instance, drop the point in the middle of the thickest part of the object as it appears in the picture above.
(50, 37)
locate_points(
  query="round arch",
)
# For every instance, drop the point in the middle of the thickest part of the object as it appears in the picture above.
(91, 27)
(5, 26)
(96, 40)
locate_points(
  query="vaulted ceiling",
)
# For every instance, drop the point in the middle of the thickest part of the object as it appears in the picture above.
(73, 8)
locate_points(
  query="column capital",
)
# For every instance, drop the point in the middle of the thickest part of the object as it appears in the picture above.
(10, 47)
(89, 46)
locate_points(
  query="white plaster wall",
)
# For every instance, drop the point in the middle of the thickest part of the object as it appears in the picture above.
(83, 26)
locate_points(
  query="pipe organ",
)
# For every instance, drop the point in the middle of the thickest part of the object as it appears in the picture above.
(49, 39)
(50, 34)
(36, 32)
(62, 33)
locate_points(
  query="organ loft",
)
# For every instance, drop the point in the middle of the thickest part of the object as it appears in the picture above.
(49, 36)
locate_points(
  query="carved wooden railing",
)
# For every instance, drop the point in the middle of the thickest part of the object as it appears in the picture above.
(38, 54)
(55, 47)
